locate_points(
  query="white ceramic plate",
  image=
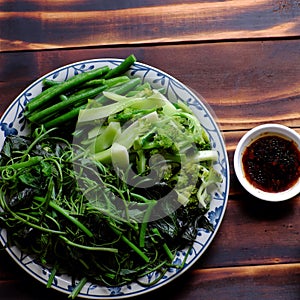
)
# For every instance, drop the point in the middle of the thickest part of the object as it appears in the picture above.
(13, 122)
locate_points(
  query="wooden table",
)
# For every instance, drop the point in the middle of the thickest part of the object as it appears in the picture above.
(243, 57)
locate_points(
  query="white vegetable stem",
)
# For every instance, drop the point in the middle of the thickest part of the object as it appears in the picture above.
(128, 136)
(119, 156)
(156, 100)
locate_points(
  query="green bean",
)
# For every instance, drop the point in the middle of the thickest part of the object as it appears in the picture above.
(56, 90)
(64, 118)
(127, 86)
(122, 67)
(108, 82)
(94, 82)
(45, 114)
(49, 82)
(82, 90)
(139, 88)
(63, 97)
(121, 89)
(116, 80)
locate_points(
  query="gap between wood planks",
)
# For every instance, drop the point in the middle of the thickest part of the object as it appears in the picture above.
(155, 44)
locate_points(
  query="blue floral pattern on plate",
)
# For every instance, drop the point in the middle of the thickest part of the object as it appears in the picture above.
(13, 122)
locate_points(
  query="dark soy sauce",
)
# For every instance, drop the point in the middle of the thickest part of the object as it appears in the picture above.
(272, 163)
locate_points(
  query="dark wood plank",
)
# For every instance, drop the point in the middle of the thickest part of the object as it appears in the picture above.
(245, 83)
(36, 5)
(48, 26)
(90, 5)
(257, 282)
(249, 231)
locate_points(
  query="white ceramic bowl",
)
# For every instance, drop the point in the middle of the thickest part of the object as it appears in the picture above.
(246, 140)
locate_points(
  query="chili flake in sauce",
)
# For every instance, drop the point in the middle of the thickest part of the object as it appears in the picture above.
(272, 163)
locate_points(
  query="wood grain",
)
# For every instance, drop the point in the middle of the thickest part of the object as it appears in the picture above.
(245, 83)
(53, 25)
